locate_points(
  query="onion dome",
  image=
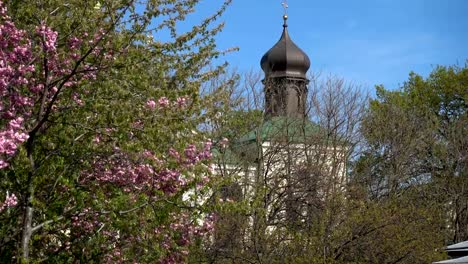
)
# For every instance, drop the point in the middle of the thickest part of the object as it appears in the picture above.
(285, 59)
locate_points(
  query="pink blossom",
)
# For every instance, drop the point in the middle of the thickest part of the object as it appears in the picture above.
(21, 137)
(10, 139)
(3, 164)
(49, 37)
(54, 90)
(36, 88)
(181, 102)
(16, 123)
(174, 153)
(163, 102)
(77, 99)
(137, 124)
(151, 104)
(74, 43)
(10, 201)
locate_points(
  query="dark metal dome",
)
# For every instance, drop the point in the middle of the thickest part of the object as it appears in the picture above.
(285, 59)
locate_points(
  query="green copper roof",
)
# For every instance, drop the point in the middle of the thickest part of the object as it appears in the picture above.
(277, 129)
(293, 130)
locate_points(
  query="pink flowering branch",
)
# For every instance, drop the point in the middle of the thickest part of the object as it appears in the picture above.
(160, 179)
(31, 79)
(15, 56)
(164, 103)
(10, 201)
(120, 170)
(22, 83)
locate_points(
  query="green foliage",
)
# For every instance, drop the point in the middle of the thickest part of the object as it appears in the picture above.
(416, 140)
(114, 112)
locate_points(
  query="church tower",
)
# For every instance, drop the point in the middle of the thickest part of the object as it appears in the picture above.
(285, 66)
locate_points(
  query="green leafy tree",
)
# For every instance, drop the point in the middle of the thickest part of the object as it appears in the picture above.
(417, 140)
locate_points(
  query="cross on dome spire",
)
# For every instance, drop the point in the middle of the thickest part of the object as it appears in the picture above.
(285, 16)
(285, 6)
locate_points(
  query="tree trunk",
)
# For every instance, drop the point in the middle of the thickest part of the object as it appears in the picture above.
(27, 229)
(29, 210)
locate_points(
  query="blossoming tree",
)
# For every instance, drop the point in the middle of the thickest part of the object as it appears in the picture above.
(100, 157)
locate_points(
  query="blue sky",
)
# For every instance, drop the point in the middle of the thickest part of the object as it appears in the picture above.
(367, 42)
